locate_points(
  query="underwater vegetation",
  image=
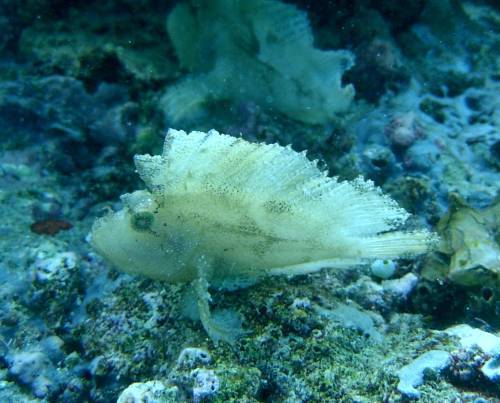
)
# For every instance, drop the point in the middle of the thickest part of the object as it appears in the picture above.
(234, 268)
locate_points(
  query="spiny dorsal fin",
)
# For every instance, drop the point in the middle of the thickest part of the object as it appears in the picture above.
(281, 189)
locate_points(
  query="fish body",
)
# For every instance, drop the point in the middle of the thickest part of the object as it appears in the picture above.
(227, 211)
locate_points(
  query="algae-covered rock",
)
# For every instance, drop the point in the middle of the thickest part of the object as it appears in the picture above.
(101, 43)
(152, 392)
(60, 107)
(412, 375)
(471, 338)
(470, 242)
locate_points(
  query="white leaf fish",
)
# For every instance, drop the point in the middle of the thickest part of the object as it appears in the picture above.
(218, 210)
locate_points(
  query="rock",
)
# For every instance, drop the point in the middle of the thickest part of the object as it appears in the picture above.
(491, 369)
(468, 239)
(470, 337)
(54, 268)
(401, 287)
(151, 392)
(32, 369)
(412, 375)
(61, 107)
(206, 383)
(403, 130)
(378, 161)
(192, 356)
(352, 317)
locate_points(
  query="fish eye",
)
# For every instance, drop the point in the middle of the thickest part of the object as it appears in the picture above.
(142, 221)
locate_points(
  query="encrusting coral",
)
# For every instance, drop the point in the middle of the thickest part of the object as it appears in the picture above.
(221, 211)
(255, 50)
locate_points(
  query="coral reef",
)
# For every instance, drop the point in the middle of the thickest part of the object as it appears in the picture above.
(91, 44)
(84, 86)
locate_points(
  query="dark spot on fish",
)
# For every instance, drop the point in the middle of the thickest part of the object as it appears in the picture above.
(277, 207)
(142, 221)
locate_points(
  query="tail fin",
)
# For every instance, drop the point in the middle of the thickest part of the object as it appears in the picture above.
(396, 244)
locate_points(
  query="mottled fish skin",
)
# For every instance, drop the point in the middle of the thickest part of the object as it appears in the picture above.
(251, 210)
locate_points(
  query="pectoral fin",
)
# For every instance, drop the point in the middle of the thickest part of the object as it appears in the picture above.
(223, 325)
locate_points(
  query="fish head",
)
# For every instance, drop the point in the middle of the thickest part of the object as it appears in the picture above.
(138, 240)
